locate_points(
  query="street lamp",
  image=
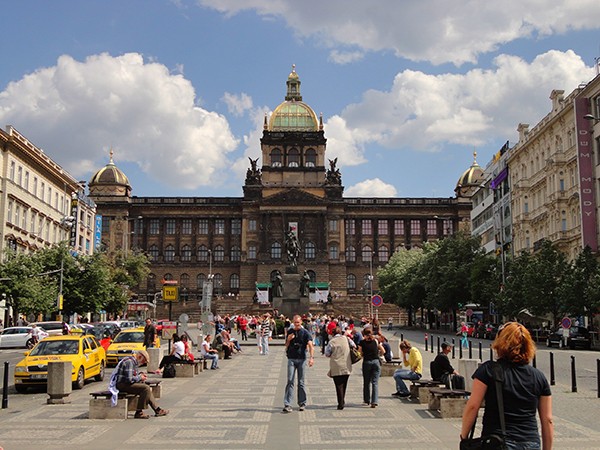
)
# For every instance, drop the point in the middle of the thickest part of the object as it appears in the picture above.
(591, 117)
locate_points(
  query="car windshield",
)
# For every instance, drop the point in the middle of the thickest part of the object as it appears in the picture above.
(69, 347)
(137, 336)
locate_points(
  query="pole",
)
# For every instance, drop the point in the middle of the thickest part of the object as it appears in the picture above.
(573, 375)
(5, 386)
(598, 376)
(453, 353)
(60, 289)
(552, 379)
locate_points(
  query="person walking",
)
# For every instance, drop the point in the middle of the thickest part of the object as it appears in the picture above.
(149, 334)
(297, 342)
(265, 334)
(464, 332)
(340, 363)
(371, 350)
(525, 391)
(411, 357)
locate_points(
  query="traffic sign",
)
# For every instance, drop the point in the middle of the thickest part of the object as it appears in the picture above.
(377, 300)
(469, 312)
(170, 293)
(566, 322)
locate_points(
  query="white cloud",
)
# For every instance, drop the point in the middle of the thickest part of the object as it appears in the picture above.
(343, 57)
(251, 145)
(344, 143)
(427, 30)
(371, 188)
(428, 112)
(237, 104)
(76, 109)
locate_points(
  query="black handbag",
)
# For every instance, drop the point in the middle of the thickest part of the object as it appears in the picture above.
(491, 441)
(355, 355)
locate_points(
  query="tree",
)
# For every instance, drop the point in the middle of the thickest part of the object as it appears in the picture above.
(580, 290)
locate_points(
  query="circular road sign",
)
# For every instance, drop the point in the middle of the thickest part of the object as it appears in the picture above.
(469, 312)
(377, 300)
(566, 322)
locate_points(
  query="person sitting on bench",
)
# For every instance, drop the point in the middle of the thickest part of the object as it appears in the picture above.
(442, 370)
(127, 378)
(176, 355)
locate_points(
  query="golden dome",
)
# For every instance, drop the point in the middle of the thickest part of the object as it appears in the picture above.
(110, 175)
(471, 178)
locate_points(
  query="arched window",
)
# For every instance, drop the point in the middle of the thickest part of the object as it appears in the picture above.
(275, 157)
(234, 281)
(310, 158)
(236, 254)
(293, 159)
(184, 280)
(351, 281)
(219, 253)
(153, 253)
(218, 283)
(168, 277)
(151, 283)
(202, 253)
(169, 253)
(200, 279)
(276, 250)
(310, 251)
(350, 254)
(384, 254)
(186, 253)
(367, 253)
(313, 276)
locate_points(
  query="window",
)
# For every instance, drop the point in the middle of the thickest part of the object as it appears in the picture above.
(311, 158)
(276, 250)
(333, 251)
(236, 254)
(203, 226)
(154, 227)
(415, 227)
(251, 252)
(200, 279)
(351, 281)
(252, 225)
(561, 184)
(234, 281)
(236, 226)
(218, 283)
(367, 253)
(186, 253)
(309, 250)
(293, 158)
(431, 227)
(35, 186)
(449, 227)
(563, 225)
(526, 207)
(170, 226)
(184, 280)
(220, 226)
(56, 200)
(153, 253)
(276, 158)
(382, 227)
(26, 185)
(366, 227)
(350, 227)
(399, 227)
(383, 254)
(202, 253)
(219, 253)
(333, 225)
(9, 212)
(12, 171)
(169, 253)
(186, 226)
(17, 215)
(42, 190)
(350, 254)
(151, 282)
(20, 177)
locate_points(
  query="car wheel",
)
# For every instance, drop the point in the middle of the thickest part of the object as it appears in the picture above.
(20, 388)
(560, 344)
(78, 384)
(100, 375)
(548, 343)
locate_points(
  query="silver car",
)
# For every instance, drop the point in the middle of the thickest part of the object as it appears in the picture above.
(16, 337)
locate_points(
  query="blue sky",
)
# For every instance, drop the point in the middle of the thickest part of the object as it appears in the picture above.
(179, 89)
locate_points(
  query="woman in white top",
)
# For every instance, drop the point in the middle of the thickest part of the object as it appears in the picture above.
(176, 354)
(209, 353)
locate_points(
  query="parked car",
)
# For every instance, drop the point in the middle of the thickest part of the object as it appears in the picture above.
(111, 327)
(84, 352)
(52, 328)
(126, 342)
(578, 337)
(16, 337)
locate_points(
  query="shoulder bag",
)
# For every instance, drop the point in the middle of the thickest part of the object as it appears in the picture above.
(491, 441)
(355, 355)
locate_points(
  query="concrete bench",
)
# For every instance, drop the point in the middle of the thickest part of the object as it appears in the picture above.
(188, 369)
(450, 402)
(388, 368)
(101, 404)
(420, 389)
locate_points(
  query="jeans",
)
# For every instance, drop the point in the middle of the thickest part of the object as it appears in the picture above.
(388, 352)
(293, 366)
(215, 359)
(404, 374)
(264, 345)
(371, 372)
(525, 445)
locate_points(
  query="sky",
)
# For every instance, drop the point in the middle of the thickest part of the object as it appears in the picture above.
(179, 89)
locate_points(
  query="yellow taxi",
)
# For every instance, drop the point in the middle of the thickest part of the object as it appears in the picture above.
(83, 351)
(125, 343)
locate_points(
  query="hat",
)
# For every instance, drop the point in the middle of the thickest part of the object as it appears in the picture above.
(144, 353)
(446, 345)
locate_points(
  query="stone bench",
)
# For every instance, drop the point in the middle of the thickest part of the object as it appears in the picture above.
(188, 369)
(101, 404)
(450, 402)
(388, 368)
(420, 389)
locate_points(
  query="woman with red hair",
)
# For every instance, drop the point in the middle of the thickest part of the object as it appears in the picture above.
(525, 392)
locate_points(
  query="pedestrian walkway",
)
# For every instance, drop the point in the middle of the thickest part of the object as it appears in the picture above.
(239, 406)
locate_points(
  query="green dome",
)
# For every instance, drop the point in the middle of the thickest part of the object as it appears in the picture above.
(293, 116)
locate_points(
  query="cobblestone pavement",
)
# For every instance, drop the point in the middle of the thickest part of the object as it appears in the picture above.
(239, 406)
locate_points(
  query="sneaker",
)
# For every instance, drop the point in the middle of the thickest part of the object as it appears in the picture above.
(373, 405)
(302, 408)
(365, 404)
(401, 394)
(287, 409)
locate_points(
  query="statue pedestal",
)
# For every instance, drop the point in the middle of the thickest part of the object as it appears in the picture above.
(291, 303)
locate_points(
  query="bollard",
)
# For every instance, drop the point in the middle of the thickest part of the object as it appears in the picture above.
(480, 352)
(432, 343)
(59, 382)
(552, 380)
(453, 354)
(534, 362)
(401, 337)
(573, 375)
(470, 350)
(460, 355)
(491, 353)
(598, 376)
(5, 386)
(425, 341)
(438, 343)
